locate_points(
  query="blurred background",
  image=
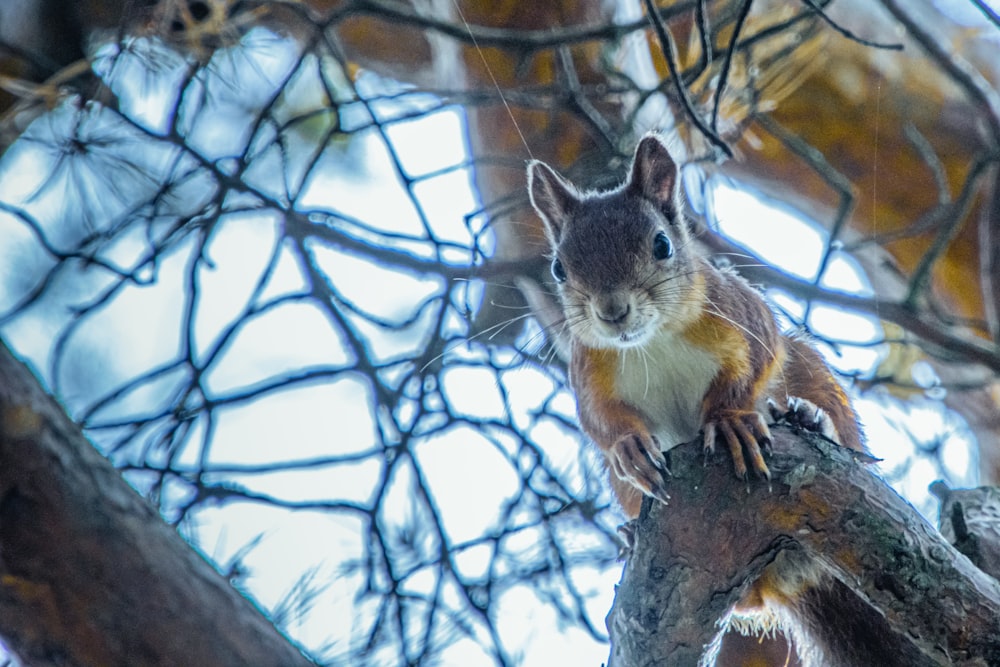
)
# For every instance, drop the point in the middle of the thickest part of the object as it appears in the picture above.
(273, 256)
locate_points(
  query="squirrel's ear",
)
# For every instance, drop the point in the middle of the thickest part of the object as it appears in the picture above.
(553, 197)
(654, 174)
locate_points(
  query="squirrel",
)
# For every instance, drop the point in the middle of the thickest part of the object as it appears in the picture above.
(664, 345)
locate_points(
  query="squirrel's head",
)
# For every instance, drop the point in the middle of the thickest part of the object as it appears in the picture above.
(622, 258)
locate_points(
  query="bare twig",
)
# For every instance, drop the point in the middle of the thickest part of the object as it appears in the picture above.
(670, 55)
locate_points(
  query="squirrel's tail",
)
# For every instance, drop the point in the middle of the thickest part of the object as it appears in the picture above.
(829, 624)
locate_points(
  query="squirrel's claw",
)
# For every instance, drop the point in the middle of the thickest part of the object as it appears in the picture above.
(746, 436)
(626, 532)
(659, 491)
(804, 414)
(636, 458)
(776, 412)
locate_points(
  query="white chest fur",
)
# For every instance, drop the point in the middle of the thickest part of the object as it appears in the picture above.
(666, 379)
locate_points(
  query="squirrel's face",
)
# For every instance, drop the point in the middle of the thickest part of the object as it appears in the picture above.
(622, 259)
(624, 272)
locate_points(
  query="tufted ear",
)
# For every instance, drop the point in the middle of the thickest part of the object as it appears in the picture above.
(654, 175)
(553, 197)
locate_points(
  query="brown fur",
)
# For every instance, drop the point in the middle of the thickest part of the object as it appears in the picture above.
(664, 345)
(621, 301)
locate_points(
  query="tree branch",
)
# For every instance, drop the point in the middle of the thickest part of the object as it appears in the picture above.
(695, 558)
(949, 338)
(89, 573)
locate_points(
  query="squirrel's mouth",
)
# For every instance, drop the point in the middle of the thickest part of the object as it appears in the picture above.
(632, 333)
(633, 338)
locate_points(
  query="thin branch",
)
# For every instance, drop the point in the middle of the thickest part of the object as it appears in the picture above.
(976, 87)
(989, 255)
(847, 33)
(670, 55)
(580, 102)
(727, 62)
(988, 11)
(957, 343)
(704, 36)
(836, 180)
(958, 212)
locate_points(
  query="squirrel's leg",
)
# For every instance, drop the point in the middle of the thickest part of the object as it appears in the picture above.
(633, 454)
(729, 408)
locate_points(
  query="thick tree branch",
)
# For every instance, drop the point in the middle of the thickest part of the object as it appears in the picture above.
(89, 573)
(694, 558)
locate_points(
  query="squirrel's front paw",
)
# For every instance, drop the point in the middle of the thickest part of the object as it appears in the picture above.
(803, 413)
(743, 431)
(636, 458)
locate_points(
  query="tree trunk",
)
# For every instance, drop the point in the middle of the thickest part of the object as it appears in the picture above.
(694, 558)
(89, 573)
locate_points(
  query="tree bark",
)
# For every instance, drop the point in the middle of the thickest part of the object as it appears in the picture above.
(694, 558)
(89, 573)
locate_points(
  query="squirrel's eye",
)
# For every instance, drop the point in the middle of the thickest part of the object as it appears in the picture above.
(558, 272)
(662, 247)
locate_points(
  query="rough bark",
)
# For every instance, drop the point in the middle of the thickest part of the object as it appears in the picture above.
(89, 573)
(694, 558)
(970, 520)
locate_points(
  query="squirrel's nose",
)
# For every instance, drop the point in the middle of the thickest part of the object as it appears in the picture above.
(613, 312)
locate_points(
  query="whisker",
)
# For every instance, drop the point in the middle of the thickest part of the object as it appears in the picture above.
(490, 333)
(645, 357)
